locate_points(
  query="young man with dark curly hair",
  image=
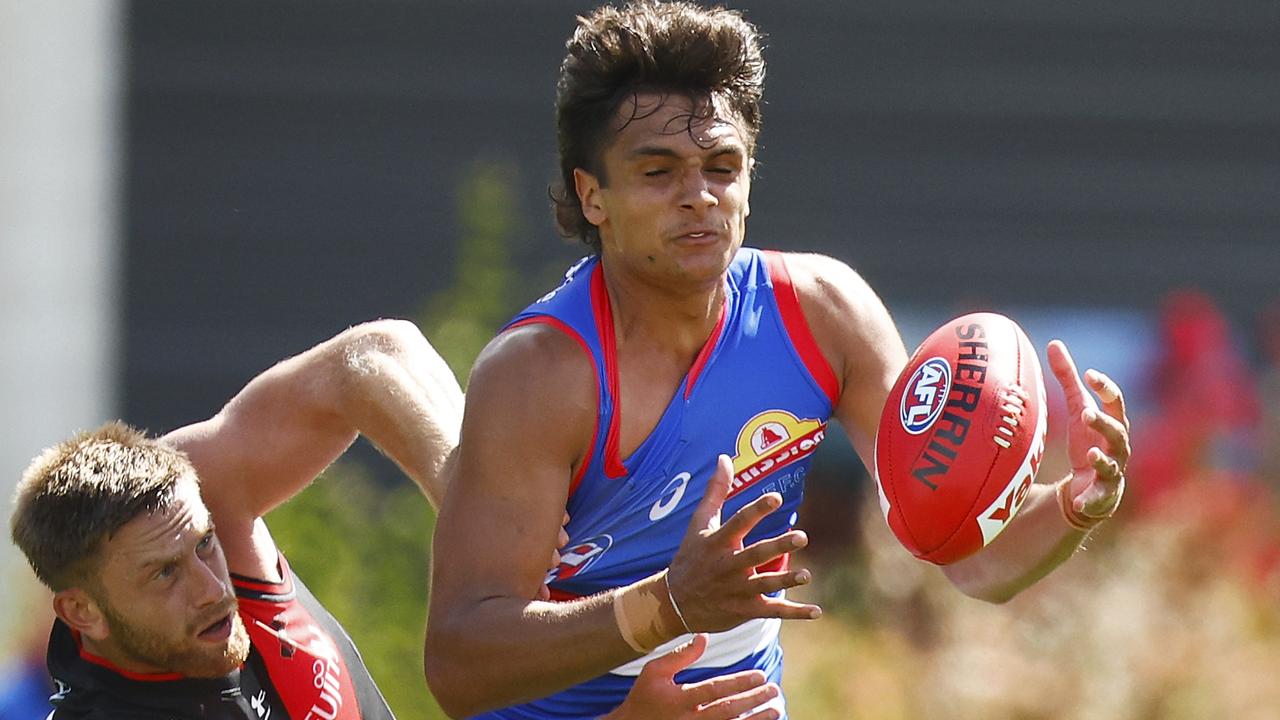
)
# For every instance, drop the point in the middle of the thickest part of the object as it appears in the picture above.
(670, 394)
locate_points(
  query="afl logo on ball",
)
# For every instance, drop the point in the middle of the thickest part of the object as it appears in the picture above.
(925, 394)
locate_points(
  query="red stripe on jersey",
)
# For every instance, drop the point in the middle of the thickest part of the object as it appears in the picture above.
(103, 662)
(304, 663)
(801, 335)
(600, 305)
(562, 596)
(595, 432)
(705, 353)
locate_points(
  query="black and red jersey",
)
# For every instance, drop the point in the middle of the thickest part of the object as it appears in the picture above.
(301, 666)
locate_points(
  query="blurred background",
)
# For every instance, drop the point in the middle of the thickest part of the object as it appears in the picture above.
(190, 191)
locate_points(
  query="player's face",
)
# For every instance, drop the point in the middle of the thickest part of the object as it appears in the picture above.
(168, 599)
(673, 208)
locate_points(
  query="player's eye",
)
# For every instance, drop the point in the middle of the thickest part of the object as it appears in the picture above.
(167, 571)
(655, 172)
(206, 543)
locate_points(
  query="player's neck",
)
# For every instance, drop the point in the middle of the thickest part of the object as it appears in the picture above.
(678, 319)
(119, 661)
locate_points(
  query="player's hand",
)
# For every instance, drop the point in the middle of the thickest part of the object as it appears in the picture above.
(657, 695)
(1097, 438)
(713, 578)
(544, 592)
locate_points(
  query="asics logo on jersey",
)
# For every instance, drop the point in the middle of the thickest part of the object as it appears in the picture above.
(670, 497)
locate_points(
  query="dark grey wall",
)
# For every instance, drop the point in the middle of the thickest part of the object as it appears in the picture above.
(292, 166)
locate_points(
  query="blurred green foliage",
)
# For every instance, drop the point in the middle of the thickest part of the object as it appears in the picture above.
(462, 319)
(364, 548)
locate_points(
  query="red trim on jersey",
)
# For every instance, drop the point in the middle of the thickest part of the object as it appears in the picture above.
(779, 564)
(103, 662)
(303, 660)
(562, 595)
(283, 587)
(603, 310)
(595, 432)
(797, 326)
(705, 353)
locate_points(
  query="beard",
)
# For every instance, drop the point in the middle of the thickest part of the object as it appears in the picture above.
(187, 654)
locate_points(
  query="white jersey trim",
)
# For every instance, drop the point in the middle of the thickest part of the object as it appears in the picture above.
(723, 648)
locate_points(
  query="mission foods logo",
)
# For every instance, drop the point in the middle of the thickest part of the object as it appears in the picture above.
(923, 398)
(769, 441)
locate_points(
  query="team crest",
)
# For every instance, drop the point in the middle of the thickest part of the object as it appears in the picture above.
(580, 556)
(769, 441)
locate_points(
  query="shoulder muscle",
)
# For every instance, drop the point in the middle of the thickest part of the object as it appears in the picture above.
(855, 332)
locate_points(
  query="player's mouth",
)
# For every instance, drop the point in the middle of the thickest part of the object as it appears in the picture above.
(699, 236)
(217, 631)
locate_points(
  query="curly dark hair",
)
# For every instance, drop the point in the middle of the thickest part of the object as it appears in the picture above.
(710, 55)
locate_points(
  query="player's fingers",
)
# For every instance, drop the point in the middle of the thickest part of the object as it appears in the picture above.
(1064, 369)
(1113, 432)
(673, 662)
(709, 691)
(707, 515)
(734, 706)
(787, 609)
(544, 593)
(1106, 467)
(761, 552)
(1109, 393)
(737, 527)
(765, 583)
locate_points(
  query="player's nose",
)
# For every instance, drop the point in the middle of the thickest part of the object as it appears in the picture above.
(210, 587)
(697, 193)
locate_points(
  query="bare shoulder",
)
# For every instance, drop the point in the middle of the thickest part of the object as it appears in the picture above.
(533, 388)
(844, 312)
(531, 361)
(855, 332)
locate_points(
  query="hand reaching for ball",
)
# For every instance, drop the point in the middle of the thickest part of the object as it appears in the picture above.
(1097, 440)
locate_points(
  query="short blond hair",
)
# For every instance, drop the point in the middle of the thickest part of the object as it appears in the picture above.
(78, 493)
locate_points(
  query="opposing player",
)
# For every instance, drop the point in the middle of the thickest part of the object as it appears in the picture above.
(669, 393)
(173, 600)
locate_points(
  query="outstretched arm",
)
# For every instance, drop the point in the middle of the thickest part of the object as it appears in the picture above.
(381, 379)
(1056, 518)
(864, 349)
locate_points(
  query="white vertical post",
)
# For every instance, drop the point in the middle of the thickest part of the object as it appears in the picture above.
(60, 101)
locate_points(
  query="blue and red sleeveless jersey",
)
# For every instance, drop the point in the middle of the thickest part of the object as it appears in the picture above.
(759, 391)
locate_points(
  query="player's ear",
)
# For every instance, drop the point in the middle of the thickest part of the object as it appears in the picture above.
(81, 612)
(587, 186)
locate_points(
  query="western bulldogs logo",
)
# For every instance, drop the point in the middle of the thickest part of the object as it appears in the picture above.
(579, 556)
(924, 395)
(767, 436)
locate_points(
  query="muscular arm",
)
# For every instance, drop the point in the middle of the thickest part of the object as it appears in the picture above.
(381, 379)
(529, 418)
(1040, 539)
(530, 414)
(858, 338)
(856, 335)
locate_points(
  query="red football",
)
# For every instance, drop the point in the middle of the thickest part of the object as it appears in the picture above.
(961, 437)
